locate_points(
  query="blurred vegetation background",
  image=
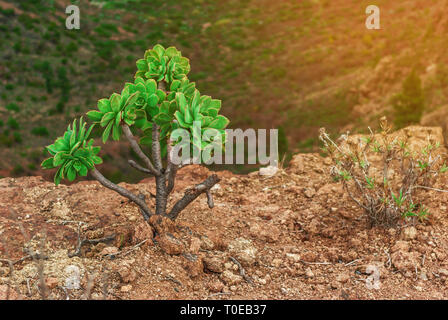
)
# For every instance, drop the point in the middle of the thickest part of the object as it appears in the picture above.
(292, 65)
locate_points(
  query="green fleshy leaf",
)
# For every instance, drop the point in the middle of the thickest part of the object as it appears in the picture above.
(142, 65)
(151, 86)
(82, 171)
(71, 174)
(175, 85)
(97, 160)
(220, 122)
(162, 118)
(132, 99)
(116, 133)
(104, 105)
(153, 100)
(107, 118)
(106, 132)
(180, 119)
(115, 102)
(48, 163)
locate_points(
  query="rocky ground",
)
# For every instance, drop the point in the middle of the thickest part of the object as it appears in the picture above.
(294, 235)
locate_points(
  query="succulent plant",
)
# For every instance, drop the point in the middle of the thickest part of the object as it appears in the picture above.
(73, 153)
(160, 100)
(115, 110)
(163, 64)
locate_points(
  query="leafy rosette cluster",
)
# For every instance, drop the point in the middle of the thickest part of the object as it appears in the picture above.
(163, 64)
(73, 153)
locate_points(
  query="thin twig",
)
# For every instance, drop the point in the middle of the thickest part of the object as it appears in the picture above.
(352, 262)
(170, 278)
(124, 192)
(209, 199)
(192, 194)
(317, 263)
(429, 188)
(135, 146)
(124, 253)
(219, 294)
(81, 242)
(135, 165)
(242, 271)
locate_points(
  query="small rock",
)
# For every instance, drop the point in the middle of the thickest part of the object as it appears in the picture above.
(293, 257)
(265, 232)
(342, 277)
(230, 278)
(284, 291)
(409, 233)
(392, 232)
(215, 286)
(244, 251)
(443, 272)
(268, 171)
(309, 192)
(355, 242)
(297, 163)
(400, 246)
(216, 187)
(51, 282)
(214, 263)
(126, 271)
(206, 243)
(334, 285)
(169, 244)
(109, 251)
(192, 264)
(126, 288)
(195, 245)
(276, 262)
(310, 256)
(142, 232)
(314, 226)
(309, 273)
(94, 234)
(405, 261)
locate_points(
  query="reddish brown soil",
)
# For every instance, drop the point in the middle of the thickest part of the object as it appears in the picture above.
(305, 240)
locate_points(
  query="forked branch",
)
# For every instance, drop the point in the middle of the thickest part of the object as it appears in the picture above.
(192, 194)
(124, 192)
(134, 145)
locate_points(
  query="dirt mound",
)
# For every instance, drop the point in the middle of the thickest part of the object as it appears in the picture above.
(438, 117)
(294, 235)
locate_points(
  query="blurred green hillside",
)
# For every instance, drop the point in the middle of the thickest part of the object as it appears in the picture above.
(293, 65)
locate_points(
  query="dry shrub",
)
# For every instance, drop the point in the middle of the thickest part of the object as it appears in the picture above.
(383, 175)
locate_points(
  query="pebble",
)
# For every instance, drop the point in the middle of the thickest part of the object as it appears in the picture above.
(309, 273)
